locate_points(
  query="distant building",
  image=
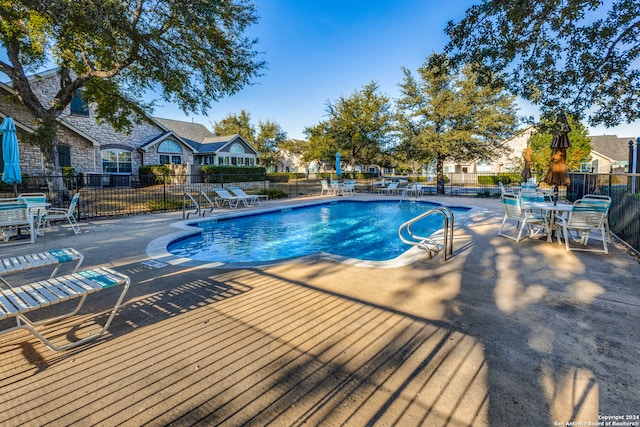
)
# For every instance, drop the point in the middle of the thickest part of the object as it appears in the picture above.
(93, 147)
(608, 153)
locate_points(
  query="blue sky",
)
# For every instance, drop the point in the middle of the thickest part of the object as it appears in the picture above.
(319, 50)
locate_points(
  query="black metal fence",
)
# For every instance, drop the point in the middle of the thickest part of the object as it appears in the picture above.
(113, 195)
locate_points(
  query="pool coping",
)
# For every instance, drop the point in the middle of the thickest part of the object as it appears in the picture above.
(157, 248)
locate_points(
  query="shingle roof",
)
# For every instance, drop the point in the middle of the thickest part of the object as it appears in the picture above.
(195, 132)
(611, 146)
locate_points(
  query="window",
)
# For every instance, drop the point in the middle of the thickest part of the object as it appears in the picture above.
(64, 156)
(116, 161)
(165, 159)
(236, 148)
(170, 152)
(484, 166)
(78, 106)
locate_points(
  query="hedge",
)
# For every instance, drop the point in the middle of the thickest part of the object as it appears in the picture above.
(222, 174)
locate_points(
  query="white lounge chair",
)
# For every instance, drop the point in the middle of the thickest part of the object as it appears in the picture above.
(525, 219)
(57, 214)
(18, 302)
(389, 189)
(253, 199)
(223, 196)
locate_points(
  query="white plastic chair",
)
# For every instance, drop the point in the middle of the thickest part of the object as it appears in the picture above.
(533, 222)
(58, 214)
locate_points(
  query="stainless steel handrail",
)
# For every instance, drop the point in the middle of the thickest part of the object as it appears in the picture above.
(424, 241)
(196, 205)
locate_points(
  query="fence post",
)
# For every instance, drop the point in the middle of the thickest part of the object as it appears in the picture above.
(164, 192)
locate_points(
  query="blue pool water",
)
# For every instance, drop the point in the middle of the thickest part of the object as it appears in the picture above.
(360, 230)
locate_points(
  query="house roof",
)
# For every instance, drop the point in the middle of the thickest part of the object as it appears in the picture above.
(194, 132)
(612, 147)
(214, 144)
(199, 137)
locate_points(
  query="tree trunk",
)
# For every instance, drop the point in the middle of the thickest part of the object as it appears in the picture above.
(53, 173)
(440, 175)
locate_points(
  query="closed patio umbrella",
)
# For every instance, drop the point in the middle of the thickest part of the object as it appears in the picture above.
(528, 158)
(338, 166)
(10, 153)
(558, 173)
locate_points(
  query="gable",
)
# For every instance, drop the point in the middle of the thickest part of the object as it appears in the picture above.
(612, 147)
(227, 144)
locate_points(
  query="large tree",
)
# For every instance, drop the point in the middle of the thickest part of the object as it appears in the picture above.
(117, 52)
(576, 56)
(443, 114)
(267, 138)
(359, 127)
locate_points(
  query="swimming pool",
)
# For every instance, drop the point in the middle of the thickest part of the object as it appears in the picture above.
(362, 230)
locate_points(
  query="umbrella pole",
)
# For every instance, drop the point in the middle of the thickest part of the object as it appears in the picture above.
(555, 195)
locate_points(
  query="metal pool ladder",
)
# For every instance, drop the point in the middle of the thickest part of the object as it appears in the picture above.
(428, 243)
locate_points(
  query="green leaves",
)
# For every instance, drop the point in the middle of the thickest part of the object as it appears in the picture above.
(579, 56)
(359, 126)
(193, 53)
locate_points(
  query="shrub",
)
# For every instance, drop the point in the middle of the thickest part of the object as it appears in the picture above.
(222, 174)
(274, 193)
(152, 175)
(278, 177)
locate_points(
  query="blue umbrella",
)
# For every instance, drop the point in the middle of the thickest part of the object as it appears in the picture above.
(10, 152)
(338, 168)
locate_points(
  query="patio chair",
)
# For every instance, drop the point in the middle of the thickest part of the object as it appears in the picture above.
(415, 189)
(585, 217)
(389, 189)
(530, 193)
(349, 187)
(525, 219)
(58, 214)
(326, 189)
(606, 200)
(223, 196)
(253, 199)
(504, 190)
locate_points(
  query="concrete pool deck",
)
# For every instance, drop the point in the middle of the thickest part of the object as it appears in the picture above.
(503, 333)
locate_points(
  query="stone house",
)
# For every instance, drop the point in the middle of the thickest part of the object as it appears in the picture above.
(95, 148)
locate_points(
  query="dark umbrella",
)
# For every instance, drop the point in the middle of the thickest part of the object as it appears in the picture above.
(528, 158)
(558, 173)
(10, 153)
